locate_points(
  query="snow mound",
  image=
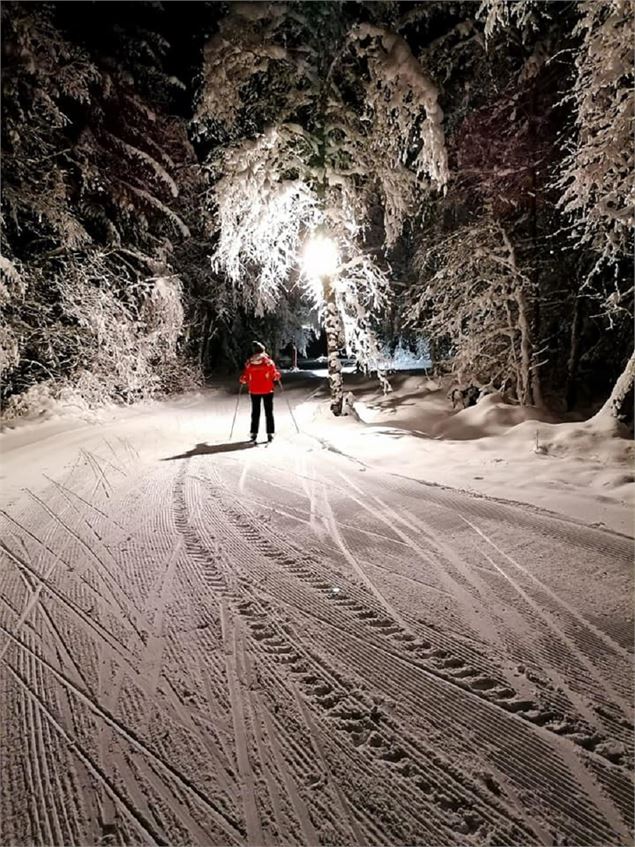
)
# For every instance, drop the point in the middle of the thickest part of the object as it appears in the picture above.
(598, 439)
(492, 415)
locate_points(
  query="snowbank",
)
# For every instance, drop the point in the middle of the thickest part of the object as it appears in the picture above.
(584, 470)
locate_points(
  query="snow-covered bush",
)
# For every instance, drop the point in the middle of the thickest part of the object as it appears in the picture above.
(472, 298)
(405, 355)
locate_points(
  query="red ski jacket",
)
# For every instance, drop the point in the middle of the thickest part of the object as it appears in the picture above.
(259, 374)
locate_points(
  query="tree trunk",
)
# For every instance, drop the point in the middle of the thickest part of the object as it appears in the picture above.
(295, 358)
(615, 406)
(574, 355)
(512, 349)
(203, 353)
(536, 382)
(332, 329)
(526, 346)
(526, 397)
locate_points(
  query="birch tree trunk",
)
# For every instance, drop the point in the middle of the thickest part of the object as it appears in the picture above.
(526, 346)
(615, 406)
(332, 329)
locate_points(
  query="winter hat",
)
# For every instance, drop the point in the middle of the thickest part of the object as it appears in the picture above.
(258, 347)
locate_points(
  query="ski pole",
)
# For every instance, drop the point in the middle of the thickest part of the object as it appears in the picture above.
(289, 405)
(240, 388)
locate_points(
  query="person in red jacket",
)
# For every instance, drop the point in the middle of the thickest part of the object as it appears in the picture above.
(260, 375)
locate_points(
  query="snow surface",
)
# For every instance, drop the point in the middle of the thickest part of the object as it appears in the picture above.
(580, 469)
(309, 643)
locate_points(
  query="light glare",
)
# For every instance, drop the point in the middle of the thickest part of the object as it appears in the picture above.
(320, 257)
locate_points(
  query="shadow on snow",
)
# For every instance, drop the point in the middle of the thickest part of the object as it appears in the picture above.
(203, 449)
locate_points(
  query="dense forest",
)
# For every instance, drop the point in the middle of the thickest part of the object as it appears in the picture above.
(163, 164)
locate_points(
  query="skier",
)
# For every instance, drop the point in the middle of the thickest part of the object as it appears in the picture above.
(260, 375)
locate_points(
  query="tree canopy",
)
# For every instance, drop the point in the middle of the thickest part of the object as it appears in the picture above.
(164, 164)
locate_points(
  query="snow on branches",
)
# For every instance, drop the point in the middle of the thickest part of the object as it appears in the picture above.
(370, 138)
(499, 14)
(261, 214)
(263, 220)
(472, 298)
(242, 48)
(597, 177)
(89, 209)
(362, 293)
(399, 93)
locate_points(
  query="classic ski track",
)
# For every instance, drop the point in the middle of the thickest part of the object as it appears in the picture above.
(358, 640)
(583, 741)
(185, 784)
(516, 756)
(32, 672)
(513, 619)
(74, 746)
(582, 776)
(155, 607)
(347, 633)
(231, 638)
(331, 703)
(266, 736)
(236, 657)
(509, 701)
(36, 730)
(287, 780)
(109, 582)
(285, 653)
(204, 740)
(589, 627)
(331, 697)
(584, 661)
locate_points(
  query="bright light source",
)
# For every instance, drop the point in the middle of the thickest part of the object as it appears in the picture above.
(320, 257)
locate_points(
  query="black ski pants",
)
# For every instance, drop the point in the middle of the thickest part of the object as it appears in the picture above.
(267, 402)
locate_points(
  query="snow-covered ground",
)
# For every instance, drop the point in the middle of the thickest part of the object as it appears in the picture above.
(582, 469)
(210, 643)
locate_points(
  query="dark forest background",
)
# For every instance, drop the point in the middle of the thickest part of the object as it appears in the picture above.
(108, 217)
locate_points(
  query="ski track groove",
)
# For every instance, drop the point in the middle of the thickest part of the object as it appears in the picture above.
(218, 816)
(309, 834)
(75, 747)
(419, 697)
(515, 762)
(579, 657)
(231, 641)
(600, 797)
(210, 560)
(252, 534)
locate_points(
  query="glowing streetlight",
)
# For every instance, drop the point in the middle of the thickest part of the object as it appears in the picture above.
(320, 257)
